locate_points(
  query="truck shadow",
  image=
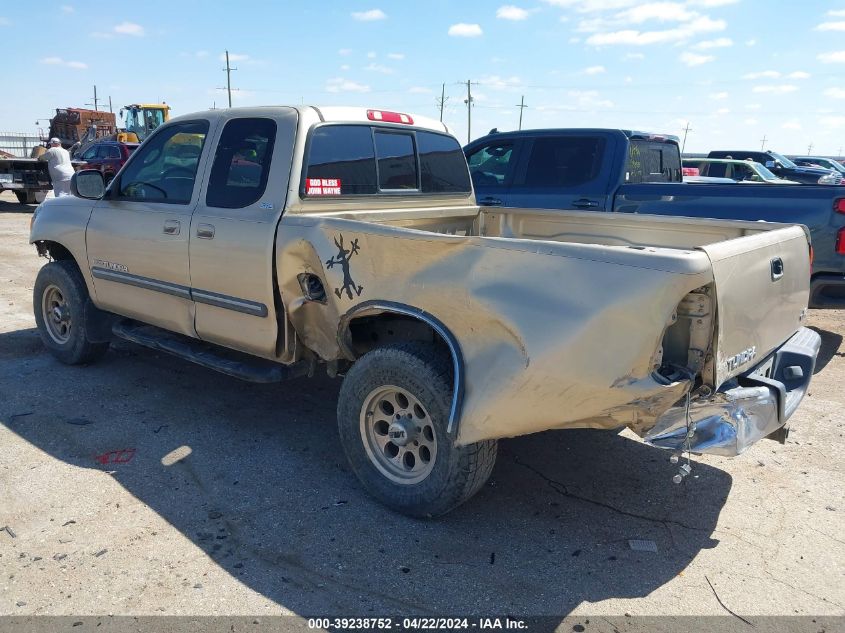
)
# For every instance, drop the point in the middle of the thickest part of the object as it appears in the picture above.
(10, 205)
(831, 342)
(254, 475)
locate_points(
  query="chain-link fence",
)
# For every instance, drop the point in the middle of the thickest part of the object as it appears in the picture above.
(18, 144)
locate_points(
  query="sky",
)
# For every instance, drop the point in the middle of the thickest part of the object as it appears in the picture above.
(733, 71)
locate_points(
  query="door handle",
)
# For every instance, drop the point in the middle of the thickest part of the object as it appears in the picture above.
(490, 202)
(172, 227)
(205, 231)
(583, 203)
(777, 268)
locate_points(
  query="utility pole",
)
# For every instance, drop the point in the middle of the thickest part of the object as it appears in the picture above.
(229, 70)
(110, 110)
(810, 148)
(521, 107)
(441, 102)
(839, 155)
(687, 130)
(763, 143)
(469, 103)
(96, 100)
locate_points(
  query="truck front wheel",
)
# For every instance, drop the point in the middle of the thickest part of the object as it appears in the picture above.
(60, 302)
(25, 196)
(392, 416)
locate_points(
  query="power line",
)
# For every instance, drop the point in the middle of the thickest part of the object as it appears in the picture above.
(229, 70)
(521, 107)
(687, 130)
(96, 100)
(441, 102)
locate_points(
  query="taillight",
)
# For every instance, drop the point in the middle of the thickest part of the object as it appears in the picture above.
(812, 257)
(389, 117)
(839, 205)
(840, 241)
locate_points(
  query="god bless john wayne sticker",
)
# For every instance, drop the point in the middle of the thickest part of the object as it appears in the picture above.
(322, 186)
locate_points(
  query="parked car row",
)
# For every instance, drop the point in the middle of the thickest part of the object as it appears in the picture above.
(634, 172)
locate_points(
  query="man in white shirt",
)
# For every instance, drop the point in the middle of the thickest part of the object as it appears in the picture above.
(59, 166)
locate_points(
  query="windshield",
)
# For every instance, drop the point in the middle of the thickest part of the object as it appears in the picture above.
(783, 160)
(765, 174)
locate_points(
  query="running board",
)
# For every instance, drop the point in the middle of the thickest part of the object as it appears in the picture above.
(229, 362)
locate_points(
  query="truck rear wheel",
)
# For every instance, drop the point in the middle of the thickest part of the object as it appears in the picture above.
(25, 197)
(392, 415)
(61, 306)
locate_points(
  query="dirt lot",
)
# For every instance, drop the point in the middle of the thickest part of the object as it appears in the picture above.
(262, 516)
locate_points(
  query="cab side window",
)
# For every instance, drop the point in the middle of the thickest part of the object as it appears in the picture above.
(90, 153)
(490, 165)
(164, 168)
(566, 161)
(241, 163)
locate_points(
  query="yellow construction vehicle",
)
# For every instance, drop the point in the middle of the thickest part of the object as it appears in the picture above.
(141, 120)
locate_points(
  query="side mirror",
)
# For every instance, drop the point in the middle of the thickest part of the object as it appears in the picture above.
(88, 184)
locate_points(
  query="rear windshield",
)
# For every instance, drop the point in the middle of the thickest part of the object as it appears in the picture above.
(362, 160)
(653, 161)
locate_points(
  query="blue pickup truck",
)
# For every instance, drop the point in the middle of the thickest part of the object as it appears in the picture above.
(632, 172)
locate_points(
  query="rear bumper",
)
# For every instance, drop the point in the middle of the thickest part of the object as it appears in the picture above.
(827, 290)
(747, 409)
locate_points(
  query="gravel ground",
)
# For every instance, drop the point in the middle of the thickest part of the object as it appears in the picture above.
(220, 497)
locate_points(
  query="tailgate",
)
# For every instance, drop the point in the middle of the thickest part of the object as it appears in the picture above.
(762, 288)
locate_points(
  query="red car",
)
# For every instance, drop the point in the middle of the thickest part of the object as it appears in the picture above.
(106, 156)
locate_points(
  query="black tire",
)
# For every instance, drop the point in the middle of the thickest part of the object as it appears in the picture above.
(456, 472)
(75, 343)
(25, 197)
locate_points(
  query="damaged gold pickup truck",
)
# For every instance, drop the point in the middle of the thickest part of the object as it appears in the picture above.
(267, 242)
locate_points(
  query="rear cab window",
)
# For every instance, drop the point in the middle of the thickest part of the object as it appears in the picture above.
(652, 161)
(360, 159)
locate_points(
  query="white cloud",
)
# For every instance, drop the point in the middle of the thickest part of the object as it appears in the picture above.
(835, 93)
(338, 84)
(766, 74)
(345, 67)
(660, 11)
(589, 99)
(4, 21)
(633, 56)
(66, 8)
(234, 57)
(778, 89)
(379, 68)
(465, 30)
(833, 57)
(833, 121)
(750, 121)
(58, 61)
(798, 74)
(495, 82)
(594, 70)
(397, 56)
(831, 26)
(753, 106)
(839, 13)
(371, 55)
(587, 6)
(343, 52)
(419, 90)
(723, 111)
(719, 96)
(510, 12)
(791, 125)
(369, 16)
(201, 54)
(710, 4)
(694, 59)
(129, 28)
(721, 42)
(751, 42)
(642, 38)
